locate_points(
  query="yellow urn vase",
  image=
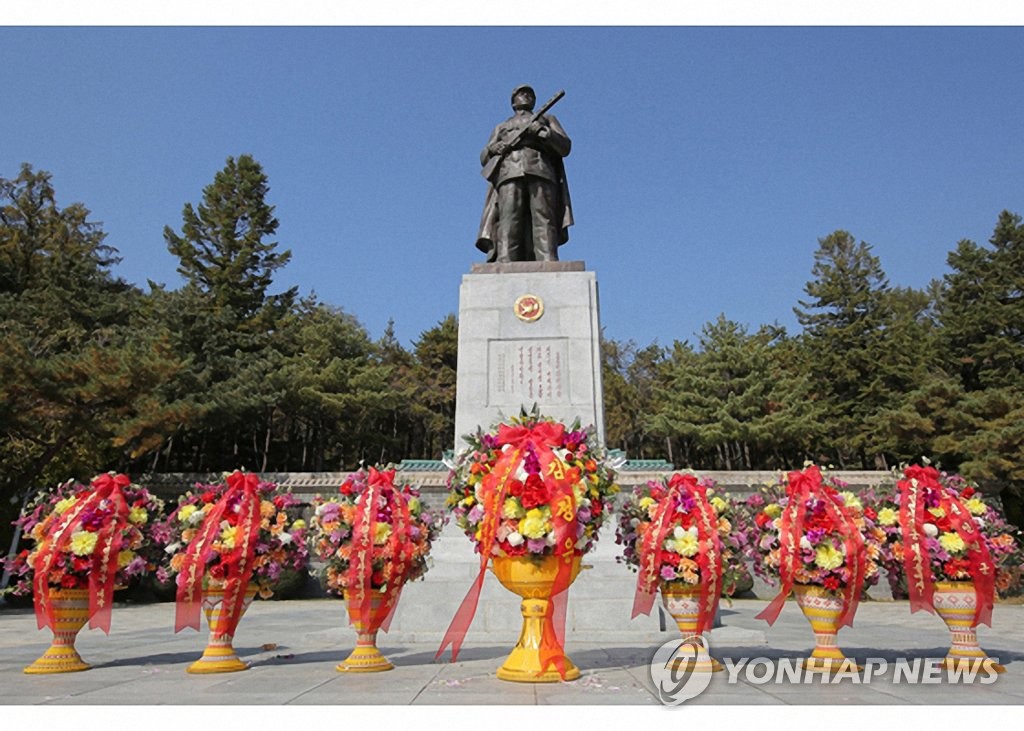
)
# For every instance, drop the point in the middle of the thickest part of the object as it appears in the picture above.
(366, 658)
(70, 612)
(533, 580)
(219, 655)
(682, 602)
(955, 602)
(823, 608)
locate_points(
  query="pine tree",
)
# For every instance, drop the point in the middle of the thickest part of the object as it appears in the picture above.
(845, 320)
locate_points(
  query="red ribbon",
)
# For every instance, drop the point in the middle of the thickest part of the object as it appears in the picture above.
(242, 492)
(493, 488)
(565, 524)
(802, 487)
(103, 568)
(916, 558)
(916, 563)
(709, 561)
(544, 433)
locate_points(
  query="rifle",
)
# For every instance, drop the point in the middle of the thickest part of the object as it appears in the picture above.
(495, 160)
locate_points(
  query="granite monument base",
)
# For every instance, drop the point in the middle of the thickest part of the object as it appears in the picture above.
(529, 333)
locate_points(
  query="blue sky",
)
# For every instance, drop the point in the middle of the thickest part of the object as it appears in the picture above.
(706, 163)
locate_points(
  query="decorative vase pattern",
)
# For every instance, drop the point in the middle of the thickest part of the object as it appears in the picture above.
(682, 602)
(366, 658)
(219, 655)
(70, 613)
(533, 581)
(955, 602)
(823, 609)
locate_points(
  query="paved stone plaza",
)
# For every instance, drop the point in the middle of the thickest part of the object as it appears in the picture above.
(293, 647)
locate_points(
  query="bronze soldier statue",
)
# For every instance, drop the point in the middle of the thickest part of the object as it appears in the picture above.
(527, 212)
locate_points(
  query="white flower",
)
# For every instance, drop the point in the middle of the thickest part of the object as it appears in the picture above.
(805, 542)
(930, 530)
(173, 548)
(634, 522)
(285, 538)
(515, 538)
(692, 530)
(196, 518)
(678, 532)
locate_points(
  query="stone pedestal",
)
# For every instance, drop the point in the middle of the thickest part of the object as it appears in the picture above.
(529, 333)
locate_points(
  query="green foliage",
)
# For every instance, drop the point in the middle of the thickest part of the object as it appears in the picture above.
(81, 369)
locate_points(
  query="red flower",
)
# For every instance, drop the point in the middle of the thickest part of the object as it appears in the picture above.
(670, 558)
(511, 550)
(955, 567)
(208, 496)
(377, 578)
(535, 492)
(515, 488)
(763, 520)
(831, 583)
(967, 492)
(346, 488)
(68, 582)
(278, 501)
(657, 493)
(870, 514)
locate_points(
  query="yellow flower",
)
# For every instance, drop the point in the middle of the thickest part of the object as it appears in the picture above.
(227, 537)
(952, 542)
(719, 504)
(975, 506)
(267, 509)
(535, 524)
(124, 558)
(646, 502)
(828, 558)
(298, 524)
(773, 511)
(937, 512)
(64, 505)
(467, 502)
(381, 531)
(687, 545)
(415, 506)
(888, 516)
(83, 543)
(185, 512)
(138, 516)
(512, 509)
(851, 500)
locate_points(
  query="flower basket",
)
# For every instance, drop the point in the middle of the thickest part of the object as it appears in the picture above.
(89, 542)
(952, 550)
(222, 538)
(675, 533)
(531, 495)
(821, 546)
(373, 537)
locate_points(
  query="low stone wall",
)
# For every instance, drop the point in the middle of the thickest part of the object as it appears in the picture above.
(305, 485)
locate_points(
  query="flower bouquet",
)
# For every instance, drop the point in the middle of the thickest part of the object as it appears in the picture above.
(89, 541)
(952, 551)
(226, 543)
(676, 533)
(373, 537)
(821, 546)
(531, 495)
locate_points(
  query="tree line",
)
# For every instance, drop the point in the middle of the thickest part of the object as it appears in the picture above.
(98, 373)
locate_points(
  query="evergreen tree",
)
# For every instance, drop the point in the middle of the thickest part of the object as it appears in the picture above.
(845, 320)
(82, 371)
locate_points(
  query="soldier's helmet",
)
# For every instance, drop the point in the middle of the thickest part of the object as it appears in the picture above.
(527, 88)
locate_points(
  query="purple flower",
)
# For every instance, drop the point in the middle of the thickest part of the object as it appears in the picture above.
(476, 514)
(536, 545)
(583, 515)
(815, 534)
(668, 573)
